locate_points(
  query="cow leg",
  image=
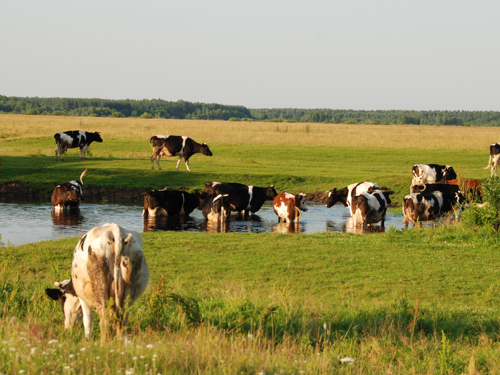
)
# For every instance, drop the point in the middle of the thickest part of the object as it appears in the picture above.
(88, 319)
(57, 150)
(82, 151)
(187, 164)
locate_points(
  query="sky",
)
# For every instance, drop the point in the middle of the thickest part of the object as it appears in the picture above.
(337, 54)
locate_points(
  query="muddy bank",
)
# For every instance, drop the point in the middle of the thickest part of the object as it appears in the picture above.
(23, 191)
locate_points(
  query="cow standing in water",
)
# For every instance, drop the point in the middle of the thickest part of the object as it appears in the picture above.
(75, 138)
(67, 196)
(172, 145)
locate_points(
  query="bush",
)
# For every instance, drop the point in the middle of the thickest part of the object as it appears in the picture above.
(146, 115)
(487, 213)
(117, 114)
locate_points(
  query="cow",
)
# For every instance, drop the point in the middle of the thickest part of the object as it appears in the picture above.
(75, 138)
(495, 157)
(67, 196)
(172, 145)
(346, 195)
(169, 202)
(288, 206)
(445, 188)
(215, 207)
(471, 188)
(371, 207)
(109, 271)
(432, 174)
(430, 206)
(243, 198)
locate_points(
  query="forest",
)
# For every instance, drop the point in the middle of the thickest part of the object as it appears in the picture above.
(159, 108)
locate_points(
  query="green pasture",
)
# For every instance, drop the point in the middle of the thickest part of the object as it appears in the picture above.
(416, 301)
(419, 301)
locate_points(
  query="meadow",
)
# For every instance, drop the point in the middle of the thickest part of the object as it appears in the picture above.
(420, 301)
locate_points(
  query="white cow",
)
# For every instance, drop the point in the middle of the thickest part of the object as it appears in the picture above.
(108, 262)
(495, 157)
(346, 195)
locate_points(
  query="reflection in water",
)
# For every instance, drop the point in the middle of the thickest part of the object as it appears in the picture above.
(351, 227)
(44, 224)
(215, 226)
(286, 228)
(73, 217)
(179, 223)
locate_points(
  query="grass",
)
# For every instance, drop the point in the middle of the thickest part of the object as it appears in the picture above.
(418, 301)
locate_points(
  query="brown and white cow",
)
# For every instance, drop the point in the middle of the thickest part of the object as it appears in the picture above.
(371, 207)
(430, 206)
(243, 198)
(67, 196)
(108, 264)
(75, 138)
(288, 206)
(346, 195)
(471, 188)
(215, 207)
(432, 174)
(169, 202)
(172, 145)
(495, 157)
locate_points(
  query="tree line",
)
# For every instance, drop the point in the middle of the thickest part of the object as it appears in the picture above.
(158, 108)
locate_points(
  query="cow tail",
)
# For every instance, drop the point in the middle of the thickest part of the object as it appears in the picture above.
(117, 250)
(83, 174)
(298, 213)
(489, 163)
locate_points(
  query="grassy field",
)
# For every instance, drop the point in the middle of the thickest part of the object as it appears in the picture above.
(421, 301)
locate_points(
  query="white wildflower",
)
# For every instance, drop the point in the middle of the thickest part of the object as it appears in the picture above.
(22, 371)
(347, 360)
(150, 346)
(250, 336)
(53, 342)
(325, 326)
(83, 349)
(67, 367)
(33, 350)
(71, 356)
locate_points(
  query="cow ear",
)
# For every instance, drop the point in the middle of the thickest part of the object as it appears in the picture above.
(54, 294)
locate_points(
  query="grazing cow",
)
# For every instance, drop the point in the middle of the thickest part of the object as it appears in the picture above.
(67, 196)
(495, 157)
(346, 195)
(243, 198)
(169, 202)
(430, 206)
(70, 303)
(108, 263)
(288, 206)
(75, 138)
(171, 145)
(432, 174)
(371, 207)
(215, 207)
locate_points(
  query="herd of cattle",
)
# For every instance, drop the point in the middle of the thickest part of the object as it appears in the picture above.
(108, 261)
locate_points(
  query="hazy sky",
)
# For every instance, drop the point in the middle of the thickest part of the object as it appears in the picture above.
(357, 54)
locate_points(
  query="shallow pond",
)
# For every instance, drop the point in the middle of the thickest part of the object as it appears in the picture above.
(22, 223)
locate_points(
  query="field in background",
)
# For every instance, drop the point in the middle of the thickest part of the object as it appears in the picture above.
(420, 301)
(295, 157)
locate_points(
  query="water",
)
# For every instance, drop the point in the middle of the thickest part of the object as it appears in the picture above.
(22, 223)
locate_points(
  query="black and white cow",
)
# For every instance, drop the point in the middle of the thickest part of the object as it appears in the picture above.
(75, 138)
(430, 206)
(432, 174)
(495, 157)
(430, 188)
(371, 207)
(172, 145)
(169, 202)
(215, 207)
(243, 198)
(346, 195)
(67, 196)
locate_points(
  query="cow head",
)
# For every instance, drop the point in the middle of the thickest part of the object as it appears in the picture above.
(449, 173)
(271, 192)
(335, 196)
(70, 303)
(386, 192)
(300, 202)
(94, 137)
(205, 150)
